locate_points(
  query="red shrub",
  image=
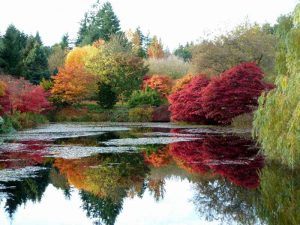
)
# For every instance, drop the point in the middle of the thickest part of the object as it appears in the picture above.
(26, 97)
(186, 104)
(233, 93)
(161, 83)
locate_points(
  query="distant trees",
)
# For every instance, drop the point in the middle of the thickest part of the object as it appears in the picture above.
(155, 49)
(246, 43)
(184, 51)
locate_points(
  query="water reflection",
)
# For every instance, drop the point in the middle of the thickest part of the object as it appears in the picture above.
(223, 173)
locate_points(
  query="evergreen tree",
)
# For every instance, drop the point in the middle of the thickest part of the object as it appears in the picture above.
(98, 25)
(13, 44)
(65, 41)
(107, 98)
(35, 62)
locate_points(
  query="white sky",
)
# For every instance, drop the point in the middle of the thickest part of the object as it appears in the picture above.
(174, 21)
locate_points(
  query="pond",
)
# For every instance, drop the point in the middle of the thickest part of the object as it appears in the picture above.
(140, 174)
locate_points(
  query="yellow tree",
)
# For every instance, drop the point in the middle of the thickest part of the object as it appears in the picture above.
(74, 83)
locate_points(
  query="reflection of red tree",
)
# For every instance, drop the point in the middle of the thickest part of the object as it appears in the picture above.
(26, 153)
(159, 158)
(232, 157)
(190, 154)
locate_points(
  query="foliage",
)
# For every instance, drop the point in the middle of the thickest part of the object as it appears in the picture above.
(276, 122)
(181, 82)
(233, 93)
(172, 66)
(246, 43)
(18, 121)
(115, 64)
(74, 83)
(101, 23)
(106, 96)
(161, 83)
(140, 114)
(155, 49)
(148, 97)
(46, 84)
(25, 97)
(185, 104)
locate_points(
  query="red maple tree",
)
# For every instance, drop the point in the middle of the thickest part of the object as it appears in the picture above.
(186, 105)
(233, 93)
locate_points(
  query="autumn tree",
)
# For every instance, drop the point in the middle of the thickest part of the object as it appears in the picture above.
(155, 49)
(234, 92)
(185, 104)
(74, 83)
(161, 83)
(115, 64)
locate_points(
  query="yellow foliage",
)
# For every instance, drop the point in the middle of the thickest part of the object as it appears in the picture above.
(79, 55)
(180, 83)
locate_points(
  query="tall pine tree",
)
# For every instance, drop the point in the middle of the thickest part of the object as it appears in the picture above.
(101, 24)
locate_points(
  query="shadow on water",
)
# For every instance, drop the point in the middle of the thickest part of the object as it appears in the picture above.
(231, 182)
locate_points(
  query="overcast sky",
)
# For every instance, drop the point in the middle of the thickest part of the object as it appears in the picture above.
(174, 21)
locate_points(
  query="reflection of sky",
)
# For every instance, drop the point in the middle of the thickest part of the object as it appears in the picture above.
(175, 209)
(54, 209)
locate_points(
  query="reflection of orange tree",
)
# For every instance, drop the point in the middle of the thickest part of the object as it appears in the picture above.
(232, 157)
(156, 187)
(157, 157)
(27, 153)
(107, 175)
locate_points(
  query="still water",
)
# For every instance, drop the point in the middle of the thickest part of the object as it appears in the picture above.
(142, 174)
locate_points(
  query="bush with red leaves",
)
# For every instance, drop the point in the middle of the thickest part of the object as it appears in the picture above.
(186, 105)
(25, 97)
(233, 93)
